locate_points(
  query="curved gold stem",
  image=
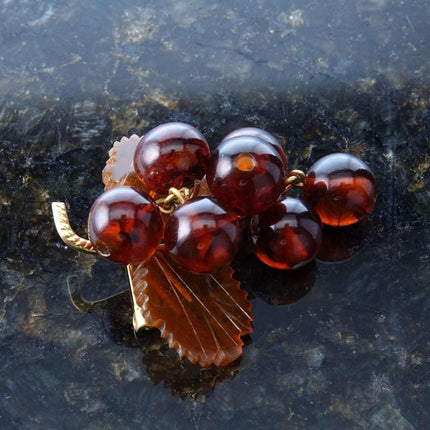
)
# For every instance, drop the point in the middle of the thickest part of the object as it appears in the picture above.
(69, 237)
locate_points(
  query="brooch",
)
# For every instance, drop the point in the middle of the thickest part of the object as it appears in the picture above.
(176, 215)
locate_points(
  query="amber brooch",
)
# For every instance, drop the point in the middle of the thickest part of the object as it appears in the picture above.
(175, 215)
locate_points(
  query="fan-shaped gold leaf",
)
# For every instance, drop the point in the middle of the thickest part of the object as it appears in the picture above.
(65, 231)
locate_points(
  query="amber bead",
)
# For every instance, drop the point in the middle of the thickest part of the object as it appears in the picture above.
(202, 236)
(171, 155)
(124, 226)
(246, 174)
(287, 235)
(263, 135)
(341, 188)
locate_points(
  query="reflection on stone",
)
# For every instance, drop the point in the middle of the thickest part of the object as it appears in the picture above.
(277, 287)
(185, 379)
(341, 243)
(163, 364)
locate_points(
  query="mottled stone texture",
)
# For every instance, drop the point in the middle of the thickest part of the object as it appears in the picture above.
(353, 350)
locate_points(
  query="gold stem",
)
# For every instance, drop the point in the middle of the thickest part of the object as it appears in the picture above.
(69, 237)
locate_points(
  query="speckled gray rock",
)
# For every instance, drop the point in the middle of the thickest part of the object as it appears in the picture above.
(352, 348)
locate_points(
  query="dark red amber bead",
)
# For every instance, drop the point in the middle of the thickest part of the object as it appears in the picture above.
(124, 226)
(171, 155)
(263, 135)
(246, 174)
(341, 188)
(202, 236)
(287, 235)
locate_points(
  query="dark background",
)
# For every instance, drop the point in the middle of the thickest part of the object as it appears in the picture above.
(333, 76)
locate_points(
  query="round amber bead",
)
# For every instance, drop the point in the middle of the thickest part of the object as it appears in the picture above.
(202, 236)
(287, 235)
(246, 174)
(263, 135)
(124, 226)
(341, 188)
(171, 155)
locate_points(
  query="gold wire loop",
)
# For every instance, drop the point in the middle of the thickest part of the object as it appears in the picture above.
(180, 195)
(296, 178)
(176, 197)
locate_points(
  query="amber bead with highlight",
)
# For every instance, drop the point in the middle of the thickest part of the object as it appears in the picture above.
(246, 174)
(202, 236)
(124, 226)
(171, 155)
(263, 135)
(340, 188)
(287, 235)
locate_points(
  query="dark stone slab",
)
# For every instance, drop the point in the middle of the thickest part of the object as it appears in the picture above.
(336, 345)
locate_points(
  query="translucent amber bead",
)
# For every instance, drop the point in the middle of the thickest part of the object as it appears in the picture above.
(341, 188)
(263, 135)
(171, 155)
(246, 174)
(124, 226)
(287, 235)
(202, 236)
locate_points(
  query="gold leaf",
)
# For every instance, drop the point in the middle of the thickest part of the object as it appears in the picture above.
(65, 231)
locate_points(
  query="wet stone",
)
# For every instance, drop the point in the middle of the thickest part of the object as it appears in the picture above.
(341, 343)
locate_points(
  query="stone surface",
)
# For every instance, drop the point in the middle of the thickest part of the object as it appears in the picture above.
(336, 76)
